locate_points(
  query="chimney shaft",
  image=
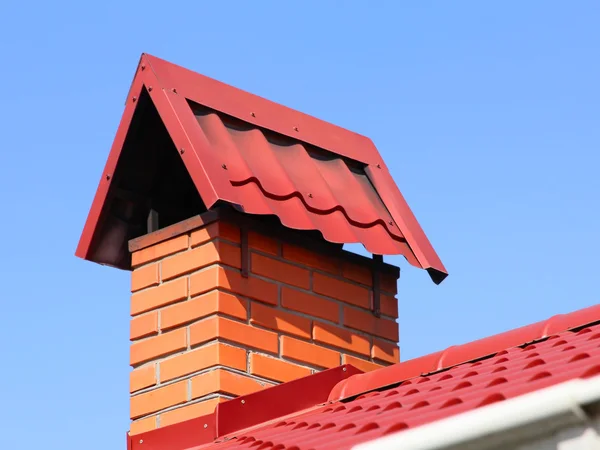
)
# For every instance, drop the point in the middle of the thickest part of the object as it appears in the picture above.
(223, 306)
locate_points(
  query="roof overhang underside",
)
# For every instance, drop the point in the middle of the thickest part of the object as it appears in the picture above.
(187, 142)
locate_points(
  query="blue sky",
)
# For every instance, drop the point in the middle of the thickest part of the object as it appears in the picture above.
(486, 114)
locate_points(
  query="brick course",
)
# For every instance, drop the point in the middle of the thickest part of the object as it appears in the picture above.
(202, 333)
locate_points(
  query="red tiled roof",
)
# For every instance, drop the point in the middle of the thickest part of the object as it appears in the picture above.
(268, 159)
(367, 406)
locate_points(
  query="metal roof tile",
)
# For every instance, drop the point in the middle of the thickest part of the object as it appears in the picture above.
(264, 158)
(390, 401)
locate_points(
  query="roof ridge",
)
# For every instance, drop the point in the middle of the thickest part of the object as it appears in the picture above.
(460, 354)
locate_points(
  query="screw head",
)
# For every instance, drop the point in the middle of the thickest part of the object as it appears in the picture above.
(378, 166)
(224, 166)
(182, 150)
(107, 176)
(310, 195)
(141, 441)
(243, 402)
(344, 369)
(205, 425)
(149, 88)
(391, 223)
(143, 66)
(295, 128)
(253, 114)
(134, 99)
(174, 90)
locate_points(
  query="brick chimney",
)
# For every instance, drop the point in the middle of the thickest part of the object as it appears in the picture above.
(223, 306)
(231, 212)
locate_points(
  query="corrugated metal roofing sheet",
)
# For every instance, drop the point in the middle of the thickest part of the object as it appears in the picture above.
(395, 402)
(307, 188)
(268, 159)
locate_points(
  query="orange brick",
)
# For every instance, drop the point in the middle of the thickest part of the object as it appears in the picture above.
(280, 271)
(365, 366)
(389, 283)
(142, 326)
(218, 277)
(156, 346)
(142, 425)
(389, 305)
(215, 230)
(157, 399)
(362, 274)
(159, 250)
(142, 378)
(276, 369)
(190, 411)
(222, 381)
(202, 358)
(310, 304)
(219, 327)
(263, 243)
(199, 257)
(162, 295)
(358, 273)
(144, 277)
(341, 338)
(341, 290)
(385, 351)
(309, 353)
(211, 303)
(278, 320)
(367, 322)
(308, 258)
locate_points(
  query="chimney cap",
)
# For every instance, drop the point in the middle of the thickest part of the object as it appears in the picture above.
(237, 148)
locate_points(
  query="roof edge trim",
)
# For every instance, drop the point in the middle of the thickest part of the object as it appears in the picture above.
(501, 424)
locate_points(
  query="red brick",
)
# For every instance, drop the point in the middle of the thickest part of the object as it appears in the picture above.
(225, 382)
(385, 351)
(219, 327)
(361, 364)
(143, 326)
(308, 258)
(156, 346)
(190, 411)
(162, 295)
(144, 277)
(210, 355)
(263, 243)
(341, 290)
(308, 353)
(142, 378)
(310, 304)
(358, 273)
(211, 303)
(278, 320)
(203, 256)
(340, 338)
(159, 250)
(367, 322)
(215, 230)
(276, 369)
(157, 399)
(389, 283)
(218, 277)
(389, 305)
(280, 271)
(142, 425)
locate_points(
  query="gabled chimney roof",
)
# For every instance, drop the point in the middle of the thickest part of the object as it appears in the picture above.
(260, 157)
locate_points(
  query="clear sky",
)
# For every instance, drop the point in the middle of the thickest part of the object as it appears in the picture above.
(487, 114)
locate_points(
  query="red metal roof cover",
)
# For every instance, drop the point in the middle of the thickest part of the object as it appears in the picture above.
(390, 401)
(268, 159)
